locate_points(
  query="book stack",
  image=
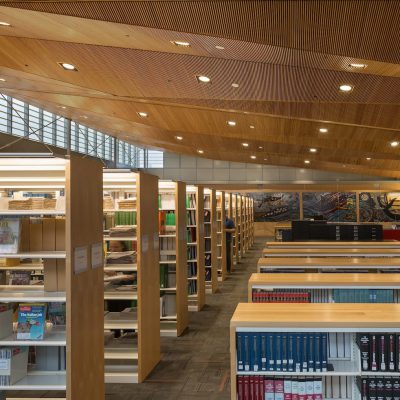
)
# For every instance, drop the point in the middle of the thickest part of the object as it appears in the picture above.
(35, 203)
(192, 253)
(363, 295)
(191, 201)
(192, 270)
(379, 388)
(20, 278)
(192, 287)
(108, 203)
(127, 204)
(282, 352)
(191, 217)
(122, 231)
(166, 222)
(278, 388)
(277, 296)
(379, 351)
(123, 257)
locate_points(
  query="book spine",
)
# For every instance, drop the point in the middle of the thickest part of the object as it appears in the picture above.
(240, 388)
(278, 350)
(290, 352)
(246, 352)
(310, 352)
(372, 389)
(382, 353)
(364, 388)
(255, 352)
(284, 352)
(279, 388)
(324, 352)
(246, 388)
(364, 345)
(317, 389)
(380, 389)
(391, 358)
(388, 382)
(297, 358)
(271, 352)
(309, 388)
(263, 345)
(302, 389)
(396, 388)
(317, 352)
(269, 389)
(373, 352)
(295, 389)
(287, 389)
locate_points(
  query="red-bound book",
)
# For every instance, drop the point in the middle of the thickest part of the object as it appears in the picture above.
(254, 388)
(287, 387)
(240, 387)
(246, 387)
(261, 387)
(279, 389)
(269, 389)
(251, 387)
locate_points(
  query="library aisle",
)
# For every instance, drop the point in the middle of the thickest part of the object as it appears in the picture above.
(197, 365)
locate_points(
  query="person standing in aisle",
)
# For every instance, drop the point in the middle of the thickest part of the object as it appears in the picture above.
(229, 229)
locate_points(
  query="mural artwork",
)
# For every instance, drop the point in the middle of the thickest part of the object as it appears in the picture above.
(275, 207)
(333, 206)
(379, 207)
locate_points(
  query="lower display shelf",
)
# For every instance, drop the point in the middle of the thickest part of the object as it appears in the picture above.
(113, 352)
(121, 374)
(40, 380)
(115, 320)
(120, 295)
(55, 337)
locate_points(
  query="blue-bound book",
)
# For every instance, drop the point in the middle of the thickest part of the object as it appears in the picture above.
(310, 352)
(239, 352)
(298, 351)
(324, 352)
(31, 321)
(278, 350)
(284, 352)
(304, 355)
(255, 352)
(271, 351)
(317, 352)
(290, 352)
(246, 351)
(264, 354)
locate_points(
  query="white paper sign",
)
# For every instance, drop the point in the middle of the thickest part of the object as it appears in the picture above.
(80, 259)
(97, 255)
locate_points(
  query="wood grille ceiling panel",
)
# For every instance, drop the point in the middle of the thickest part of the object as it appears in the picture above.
(288, 57)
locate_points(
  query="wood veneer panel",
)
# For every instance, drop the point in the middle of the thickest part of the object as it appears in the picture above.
(85, 316)
(201, 286)
(214, 238)
(148, 274)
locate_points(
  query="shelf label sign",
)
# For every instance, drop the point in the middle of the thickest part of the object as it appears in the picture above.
(97, 255)
(145, 243)
(80, 259)
(4, 365)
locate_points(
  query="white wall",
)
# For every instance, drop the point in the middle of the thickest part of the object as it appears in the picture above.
(201, 170)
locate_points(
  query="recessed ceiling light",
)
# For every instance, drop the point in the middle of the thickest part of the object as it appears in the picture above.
(394, 143)
(323, 130)
(307, 161)
(260, 147)
(67, 66)
(2, 80)
(368, 158)
(178, 137)
(346, 88)
(143, 114)
(220, 47)
(253, 157)
(84, 116)
(235, 85)
(231, 123)
(358, 65)
(265, 159)
(3, 23)
(203, 79)
(313, 150)
(181, 43)
(200, 151)
(252, 127)
(245, 144)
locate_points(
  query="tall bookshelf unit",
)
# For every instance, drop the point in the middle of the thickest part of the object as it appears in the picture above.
(210, 240)
(61, 240)
(240, 241)
(336, 325)
(236, 235)
(130, 202)
(251, 221)
(221, 237)
(195, 242)
(245, 223)
(173, 257)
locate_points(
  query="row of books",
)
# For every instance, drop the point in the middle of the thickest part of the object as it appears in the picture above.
(119, 218)
(379, 351)
(166, 222)
(191, 234)
(167, 304)
(167, 276)
(380, 388)
(191, 252)
(325, 295)
(280, 297)
(363, 295)
(278, 388)
(191, 217)
(192, 287)
(282, 351)
(191, 201)
(207, 260)
(208, 274)
(32, 234)
(192, 269)
(166, 201)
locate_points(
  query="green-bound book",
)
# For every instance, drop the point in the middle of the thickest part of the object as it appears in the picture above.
(163, 275)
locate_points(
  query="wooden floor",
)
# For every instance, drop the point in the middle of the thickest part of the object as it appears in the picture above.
(196, 365)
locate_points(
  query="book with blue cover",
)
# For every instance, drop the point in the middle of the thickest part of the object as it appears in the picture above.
(31, 321)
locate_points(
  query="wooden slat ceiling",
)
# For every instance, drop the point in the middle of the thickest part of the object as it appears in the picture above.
(288, 57)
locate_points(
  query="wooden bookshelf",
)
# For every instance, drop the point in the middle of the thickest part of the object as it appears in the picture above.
(130, 358)
(175, 320)
(389, 244)
(251, 221)
(321, 264)
(196, 270)
(347, 252)
(71, 275)
(210, 240)
(236, 235)
(221, 236)
(323, 284)
(340, 323)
